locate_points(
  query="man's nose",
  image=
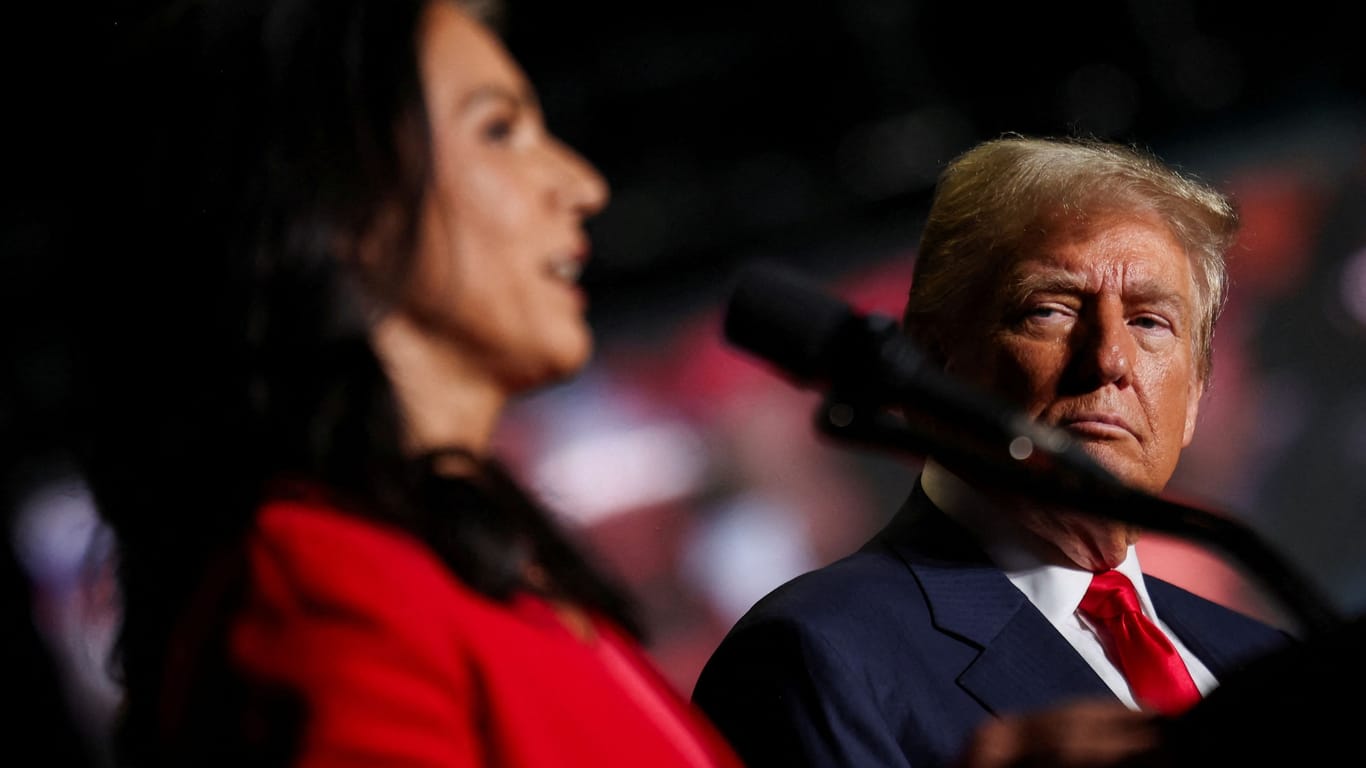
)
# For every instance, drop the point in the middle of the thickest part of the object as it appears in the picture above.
(1107, 350)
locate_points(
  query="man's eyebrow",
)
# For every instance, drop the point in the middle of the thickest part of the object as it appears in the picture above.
(1061, 281)
(1027, 283)
(1161, 296)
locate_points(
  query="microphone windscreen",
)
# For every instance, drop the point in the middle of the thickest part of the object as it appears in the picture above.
(786, 320)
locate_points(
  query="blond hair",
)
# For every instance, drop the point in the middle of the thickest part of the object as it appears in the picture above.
(994, 198)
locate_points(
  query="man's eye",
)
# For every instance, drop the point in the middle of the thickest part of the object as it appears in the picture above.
(1148, 322)
(1045, 312)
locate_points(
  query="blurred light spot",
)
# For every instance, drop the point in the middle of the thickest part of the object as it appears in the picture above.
(56, 531)
(749, 546)
(1353, 287)
(596, 476)
(68, 552)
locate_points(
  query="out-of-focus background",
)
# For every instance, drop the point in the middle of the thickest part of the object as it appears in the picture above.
(809, 134)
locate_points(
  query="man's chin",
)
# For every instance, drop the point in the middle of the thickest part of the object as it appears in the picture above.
(1124, 466)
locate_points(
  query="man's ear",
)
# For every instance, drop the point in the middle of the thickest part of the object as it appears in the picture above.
(1197, 391)
(928, 341)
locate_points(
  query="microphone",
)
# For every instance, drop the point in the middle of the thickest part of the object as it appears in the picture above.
(866, 365)
(865, 361)
(787, 321)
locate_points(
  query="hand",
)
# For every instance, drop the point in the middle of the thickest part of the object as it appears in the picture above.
(1084, 734)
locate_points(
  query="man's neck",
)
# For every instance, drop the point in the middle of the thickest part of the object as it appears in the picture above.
(1056, 536)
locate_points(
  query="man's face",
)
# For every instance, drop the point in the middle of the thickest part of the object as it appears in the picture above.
(1091, 331)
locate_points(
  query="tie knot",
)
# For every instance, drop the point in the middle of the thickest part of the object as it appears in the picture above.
(1110, 594)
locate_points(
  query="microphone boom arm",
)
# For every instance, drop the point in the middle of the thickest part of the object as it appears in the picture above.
(1068, 479)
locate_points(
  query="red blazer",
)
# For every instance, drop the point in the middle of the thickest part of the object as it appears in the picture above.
(399, 664)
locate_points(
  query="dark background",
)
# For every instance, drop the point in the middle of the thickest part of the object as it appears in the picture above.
(801, 131)
(761, 127)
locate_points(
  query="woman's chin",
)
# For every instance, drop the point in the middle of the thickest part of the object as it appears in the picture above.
(563, 360)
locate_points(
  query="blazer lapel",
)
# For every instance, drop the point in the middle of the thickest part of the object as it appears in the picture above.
(1023, 662)
(1223, 648)
(1028, 665)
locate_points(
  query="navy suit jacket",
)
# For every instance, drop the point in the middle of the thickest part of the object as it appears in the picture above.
(893, 655)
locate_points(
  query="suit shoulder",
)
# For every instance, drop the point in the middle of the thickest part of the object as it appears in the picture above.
(1185, 599)
(1180, 605)
(851, 591)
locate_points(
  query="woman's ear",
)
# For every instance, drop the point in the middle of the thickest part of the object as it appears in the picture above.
(378, 259)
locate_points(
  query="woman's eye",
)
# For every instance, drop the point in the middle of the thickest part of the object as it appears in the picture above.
(498, 130)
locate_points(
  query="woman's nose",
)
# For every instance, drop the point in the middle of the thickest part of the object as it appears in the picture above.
(580, 187)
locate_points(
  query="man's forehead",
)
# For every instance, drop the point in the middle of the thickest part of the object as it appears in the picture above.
(1094, 275)
(1129, 254)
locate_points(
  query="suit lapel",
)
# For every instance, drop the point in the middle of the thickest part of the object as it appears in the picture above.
(1028, 665)
(1189, 621)
(1023, 662)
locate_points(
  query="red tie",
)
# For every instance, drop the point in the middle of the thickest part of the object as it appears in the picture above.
(1156, 674)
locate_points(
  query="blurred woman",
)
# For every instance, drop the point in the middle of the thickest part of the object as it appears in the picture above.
(340, 239)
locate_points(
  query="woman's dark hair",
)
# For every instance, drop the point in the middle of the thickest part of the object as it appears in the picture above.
(223, 341)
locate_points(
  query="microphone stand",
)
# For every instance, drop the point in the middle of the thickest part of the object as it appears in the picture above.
(1033, 459)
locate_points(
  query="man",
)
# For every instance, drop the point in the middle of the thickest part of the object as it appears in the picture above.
(1079, 281)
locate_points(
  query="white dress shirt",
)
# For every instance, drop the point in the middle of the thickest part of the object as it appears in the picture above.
(1054, 589)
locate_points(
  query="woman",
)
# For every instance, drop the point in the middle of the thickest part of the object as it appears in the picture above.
(343, 240)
